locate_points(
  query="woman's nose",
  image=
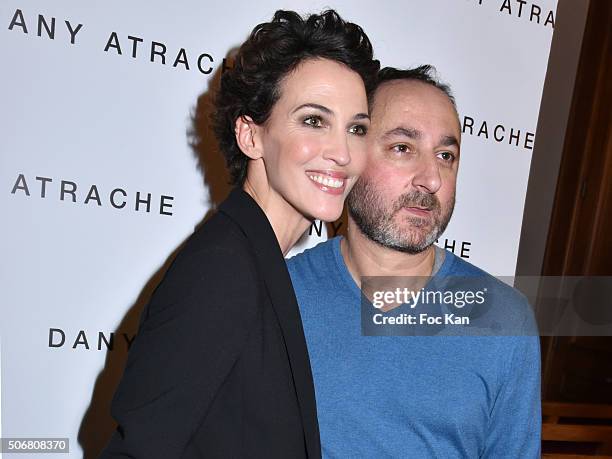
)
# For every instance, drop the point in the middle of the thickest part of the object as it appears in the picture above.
(337, 150)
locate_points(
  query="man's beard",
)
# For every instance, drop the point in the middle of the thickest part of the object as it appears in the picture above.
(376, 220)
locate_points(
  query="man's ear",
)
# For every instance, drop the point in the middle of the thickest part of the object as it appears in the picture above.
(246, 136)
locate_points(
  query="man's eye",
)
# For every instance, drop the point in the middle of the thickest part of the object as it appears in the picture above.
(447, 156)
(314, 121)
(358, 129)
(400, 148)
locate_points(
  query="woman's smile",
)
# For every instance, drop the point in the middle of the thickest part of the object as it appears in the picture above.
(333, 182)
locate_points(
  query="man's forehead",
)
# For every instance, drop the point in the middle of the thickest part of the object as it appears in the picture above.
(396, 100)
(402, 94)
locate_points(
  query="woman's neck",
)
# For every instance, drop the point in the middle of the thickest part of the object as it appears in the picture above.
(286, 221)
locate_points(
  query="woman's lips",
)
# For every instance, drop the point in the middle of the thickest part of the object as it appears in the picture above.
(332, 182)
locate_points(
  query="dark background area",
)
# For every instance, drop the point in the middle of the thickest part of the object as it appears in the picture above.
(577, 371)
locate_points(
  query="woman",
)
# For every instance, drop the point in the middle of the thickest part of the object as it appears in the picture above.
(220, 367)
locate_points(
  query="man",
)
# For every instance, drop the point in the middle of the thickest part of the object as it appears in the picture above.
(414, 396)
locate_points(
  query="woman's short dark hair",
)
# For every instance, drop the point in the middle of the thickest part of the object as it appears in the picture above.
(273, 50)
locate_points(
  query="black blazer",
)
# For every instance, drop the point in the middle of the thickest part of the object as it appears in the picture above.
(219, 368)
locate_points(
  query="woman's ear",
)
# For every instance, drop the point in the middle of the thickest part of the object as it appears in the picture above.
(246, 136)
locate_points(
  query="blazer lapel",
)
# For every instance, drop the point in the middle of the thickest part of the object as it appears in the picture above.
(243, 209)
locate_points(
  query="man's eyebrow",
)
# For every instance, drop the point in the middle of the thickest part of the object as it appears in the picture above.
(322, 108)
(449, 141)
(400, 131)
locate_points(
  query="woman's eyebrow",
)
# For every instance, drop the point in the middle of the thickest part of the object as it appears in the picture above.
(328, 111)
(361, 116)
(322, 108)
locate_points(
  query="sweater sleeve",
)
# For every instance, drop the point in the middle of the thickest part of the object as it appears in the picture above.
(516, 420)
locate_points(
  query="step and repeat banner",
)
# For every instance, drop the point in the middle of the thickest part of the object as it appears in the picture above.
(101, 179)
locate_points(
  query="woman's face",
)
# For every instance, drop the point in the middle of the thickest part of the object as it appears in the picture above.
(313, 143)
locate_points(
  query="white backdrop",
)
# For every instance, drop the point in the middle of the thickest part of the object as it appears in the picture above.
(73, 273)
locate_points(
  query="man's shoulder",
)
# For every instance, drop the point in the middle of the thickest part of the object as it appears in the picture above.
(505, 307)
(314, 257)
(461, 268)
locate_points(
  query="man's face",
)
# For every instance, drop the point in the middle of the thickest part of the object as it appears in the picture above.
(406, 195)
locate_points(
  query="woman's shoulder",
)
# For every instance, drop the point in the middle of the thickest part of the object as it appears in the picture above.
(216, 250)
(215, 261)
(217, 233)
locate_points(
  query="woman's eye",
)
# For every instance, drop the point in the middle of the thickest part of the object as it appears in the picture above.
(314, 121)
(359, 129)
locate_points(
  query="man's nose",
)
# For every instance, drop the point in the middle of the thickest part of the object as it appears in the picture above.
(337, 149)
(427, 175)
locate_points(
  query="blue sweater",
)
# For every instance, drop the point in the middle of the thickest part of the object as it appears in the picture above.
(414, 396)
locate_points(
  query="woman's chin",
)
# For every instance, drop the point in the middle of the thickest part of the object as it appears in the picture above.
(330, 214)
